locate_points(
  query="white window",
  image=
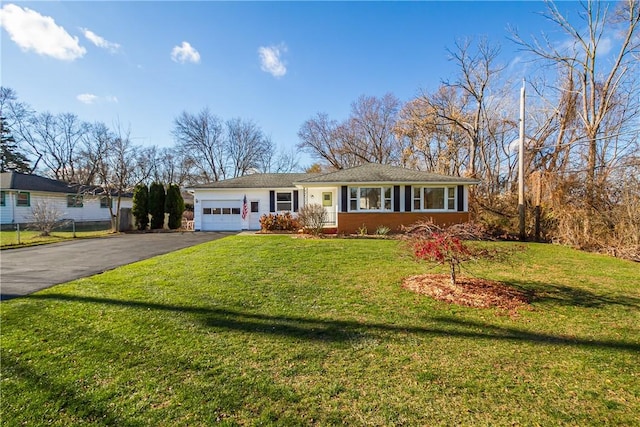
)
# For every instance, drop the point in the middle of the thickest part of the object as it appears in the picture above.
(434, 198)
(23, 199)
(284, 201)
(370, 198)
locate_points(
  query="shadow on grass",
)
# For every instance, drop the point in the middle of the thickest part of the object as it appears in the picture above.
(77, 403)
(573, 296)
(306, 328)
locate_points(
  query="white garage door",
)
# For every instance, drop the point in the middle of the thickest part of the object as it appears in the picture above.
(221, 215)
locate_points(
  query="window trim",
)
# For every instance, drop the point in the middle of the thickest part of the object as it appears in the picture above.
(75, 201)
(106, 200)
(18, 204)
(384, 200)
(278, 202)
(417, 195)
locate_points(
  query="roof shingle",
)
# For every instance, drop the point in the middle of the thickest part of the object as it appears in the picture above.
(372, 172)
(259, 180)
(367, 173)
(20, 181)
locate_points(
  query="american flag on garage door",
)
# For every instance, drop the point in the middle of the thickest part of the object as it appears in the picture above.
(245, 208)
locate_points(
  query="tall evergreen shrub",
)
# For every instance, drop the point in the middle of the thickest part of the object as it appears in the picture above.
(140, 208)
(156, 205)
(174, 206)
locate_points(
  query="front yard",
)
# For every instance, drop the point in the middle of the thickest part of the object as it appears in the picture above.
(272, 330)
(13, 239)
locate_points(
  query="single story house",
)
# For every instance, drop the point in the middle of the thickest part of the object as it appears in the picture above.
(372, 195)
(19, 193)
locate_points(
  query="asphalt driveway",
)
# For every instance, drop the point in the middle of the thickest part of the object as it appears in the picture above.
(27, 270)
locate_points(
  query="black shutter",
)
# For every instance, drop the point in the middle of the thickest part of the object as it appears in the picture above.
(407, 198)
(396, 198)
(272, 201)
(460, 198)
(295, 200)
(345, 198)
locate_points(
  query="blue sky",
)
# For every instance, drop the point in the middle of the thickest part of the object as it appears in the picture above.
(277, 63)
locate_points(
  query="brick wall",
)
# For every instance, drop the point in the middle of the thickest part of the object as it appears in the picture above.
(349, 223)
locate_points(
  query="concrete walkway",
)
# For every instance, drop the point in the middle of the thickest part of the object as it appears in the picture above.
(27, 270)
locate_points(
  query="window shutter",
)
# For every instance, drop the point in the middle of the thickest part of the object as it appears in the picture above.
(460, 198)
(272, 201)
(408, 200)
(345, 199)
(295, 200)
(396, 198)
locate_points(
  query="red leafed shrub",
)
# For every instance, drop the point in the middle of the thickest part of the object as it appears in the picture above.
(443, 249)
(445, 245)
(279, 222)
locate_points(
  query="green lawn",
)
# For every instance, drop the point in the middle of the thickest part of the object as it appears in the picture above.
(9, 239)
(271, 330)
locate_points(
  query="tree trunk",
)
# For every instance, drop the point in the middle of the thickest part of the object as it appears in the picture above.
(453, 274)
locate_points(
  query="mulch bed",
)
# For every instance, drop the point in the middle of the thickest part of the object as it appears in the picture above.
(469, 292)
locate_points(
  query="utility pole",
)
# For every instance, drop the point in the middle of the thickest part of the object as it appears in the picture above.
(523, 235)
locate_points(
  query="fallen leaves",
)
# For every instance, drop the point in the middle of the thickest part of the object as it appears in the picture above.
(469, 292)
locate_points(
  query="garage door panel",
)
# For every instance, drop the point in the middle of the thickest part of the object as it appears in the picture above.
(221, 215)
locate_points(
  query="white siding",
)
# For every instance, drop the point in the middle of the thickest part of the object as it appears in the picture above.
(315, 195)
(89, 212)
(207, 197)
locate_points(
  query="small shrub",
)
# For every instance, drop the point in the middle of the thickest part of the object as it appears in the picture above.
(362, 230)
(445, 245)
(382, 230)
(312, 218)
(45, 218)
(279, 222)
(188, 215)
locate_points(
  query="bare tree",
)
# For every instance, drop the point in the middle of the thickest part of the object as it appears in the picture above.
(606, 86)
(56, 141)
(434, 144)
(246, 146)
(171, 166)
(122, 165)
(478, 71)
(366, 136)
(372, 124)
(280, 162)
(200, 139)
(319, 137)
(95, 146)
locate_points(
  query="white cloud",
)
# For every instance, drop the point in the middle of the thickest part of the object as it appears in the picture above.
(99, 41)
(33, 31)
(605, 46)
(185, 53)
(89, 98)
(270, 60)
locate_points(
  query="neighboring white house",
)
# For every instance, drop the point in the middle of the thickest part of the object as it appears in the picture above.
(19, 193)
(372, 195)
